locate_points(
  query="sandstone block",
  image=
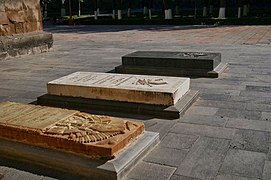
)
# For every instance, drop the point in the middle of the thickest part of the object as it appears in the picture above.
(68, 130)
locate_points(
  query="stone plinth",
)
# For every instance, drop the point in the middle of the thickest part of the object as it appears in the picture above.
(154, 90)
(87, 134)
(172, 63)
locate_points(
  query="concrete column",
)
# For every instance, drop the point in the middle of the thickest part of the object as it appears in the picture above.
(166, 14)
(169, 13)
(119, 14)
(239, 12)
(114, 14)
(95, 15)
(222, 14)
(145, 10)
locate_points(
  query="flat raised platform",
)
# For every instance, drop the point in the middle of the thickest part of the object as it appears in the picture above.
(155, 90)
(80, 166)
(191, 64)
(85, 104)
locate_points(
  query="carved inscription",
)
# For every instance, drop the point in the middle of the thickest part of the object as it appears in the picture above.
(86, 128)
(112, 80)
(192, 54)
(150, 82)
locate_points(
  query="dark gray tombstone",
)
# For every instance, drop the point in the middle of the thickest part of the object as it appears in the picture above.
(199, 64)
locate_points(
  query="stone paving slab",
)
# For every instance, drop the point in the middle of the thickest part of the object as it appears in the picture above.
(251, 141)
(204, 159)
(150, 171)
(243, 163)
(203, 130)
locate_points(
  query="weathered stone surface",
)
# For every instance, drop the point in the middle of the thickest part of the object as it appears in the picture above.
(118, 87)
(201, 110)
(190, 60)
(249, 124)
(95, 136)
(233, 177)
(28, 43)
(266, 116)
(177, 177)
(178, 141)
(243, 163)
(166, 156)
(242, 114)
(251, 140)
(19, 16)
(151, 172)
(208, 120)
(9, 173)
(202, 130)
(204, 158)
(267, 170)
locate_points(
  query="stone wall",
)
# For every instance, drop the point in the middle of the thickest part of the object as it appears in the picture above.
(21, 29)
(19, 16)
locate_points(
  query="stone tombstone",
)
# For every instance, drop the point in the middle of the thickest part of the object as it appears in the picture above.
(121, 87)
(207, 64)
(87, 134)
(21, 29)
(89, 145)
(156, 96)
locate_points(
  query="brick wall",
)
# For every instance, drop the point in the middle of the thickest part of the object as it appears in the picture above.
(19, 16)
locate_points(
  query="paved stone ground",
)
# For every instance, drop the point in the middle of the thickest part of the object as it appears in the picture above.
(224, 135)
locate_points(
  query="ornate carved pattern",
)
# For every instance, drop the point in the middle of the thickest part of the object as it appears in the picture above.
(86, 128)
(151, 82)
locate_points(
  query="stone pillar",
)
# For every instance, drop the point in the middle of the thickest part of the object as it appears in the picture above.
(222, 9)
(150, 14)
